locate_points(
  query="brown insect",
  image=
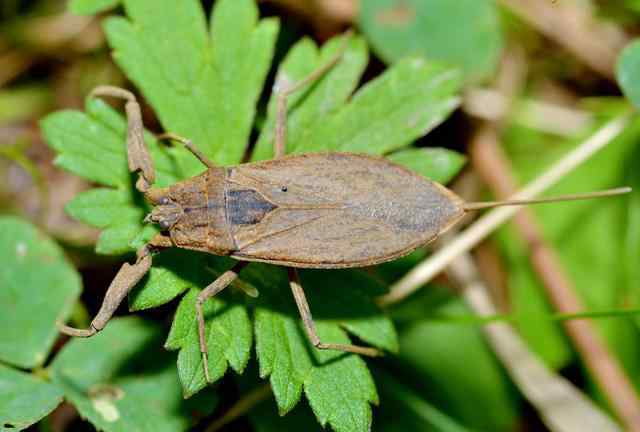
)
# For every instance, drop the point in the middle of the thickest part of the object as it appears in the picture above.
(320, 210)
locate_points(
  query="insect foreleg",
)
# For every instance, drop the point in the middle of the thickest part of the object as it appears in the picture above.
(284, 90)
(128, 276)
(137, 153)
(310, 327)
(211, 290)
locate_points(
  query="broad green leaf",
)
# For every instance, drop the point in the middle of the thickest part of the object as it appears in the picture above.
(438, 164)
(458, 372)
(309, 107)
(199, 85)
(91, 7)
(122, 380)
(24, 399)
(39, 287)
(628, 72)
(228, 336)
(463, 33)
(406, 102)
(338, 385)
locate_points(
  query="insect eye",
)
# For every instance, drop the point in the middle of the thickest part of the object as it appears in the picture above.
(164, 201)
(284, 188)
(164, 225)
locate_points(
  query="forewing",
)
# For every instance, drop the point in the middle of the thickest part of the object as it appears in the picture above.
(332, 210)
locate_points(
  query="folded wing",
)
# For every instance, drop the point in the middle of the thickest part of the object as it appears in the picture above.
(334, 210)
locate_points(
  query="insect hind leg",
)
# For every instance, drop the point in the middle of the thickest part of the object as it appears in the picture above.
(310, 327)
(283, 91)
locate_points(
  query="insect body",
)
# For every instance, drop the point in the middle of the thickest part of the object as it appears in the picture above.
(320, 210)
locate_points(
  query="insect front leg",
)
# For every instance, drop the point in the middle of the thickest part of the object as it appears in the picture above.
(310, 327)
(128, 276)
(284, 90)
(137, 153)
(190, 146)
(211, 290)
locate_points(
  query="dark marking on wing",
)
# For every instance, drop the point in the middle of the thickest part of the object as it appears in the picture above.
(247, 207)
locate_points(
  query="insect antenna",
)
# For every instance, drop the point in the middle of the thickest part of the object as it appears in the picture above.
(599, 194)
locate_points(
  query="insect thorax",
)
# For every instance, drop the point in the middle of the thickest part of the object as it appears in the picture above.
(203, 225)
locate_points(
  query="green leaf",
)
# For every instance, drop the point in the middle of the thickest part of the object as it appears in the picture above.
(101, 208)
(405, 103)
(91, 7)
(228, 335)
(24, 399)
(628, 72)
(173, 272)
(92, 145)
(460, 372)
(337, 385)
(309, 108)
(121, 380)
(197, 83)
(388, 113)
(39, 287)
(438, 164)
(463, 33)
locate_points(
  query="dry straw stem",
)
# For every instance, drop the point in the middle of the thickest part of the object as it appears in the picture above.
(494, 168)
(562, 407)
(436, 263)
(573, 27)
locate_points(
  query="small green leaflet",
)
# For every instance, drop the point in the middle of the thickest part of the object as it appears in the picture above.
(229, 338)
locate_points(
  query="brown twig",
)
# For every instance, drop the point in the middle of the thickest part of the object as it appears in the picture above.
(571, 27)
(494, 168)
(562, 407)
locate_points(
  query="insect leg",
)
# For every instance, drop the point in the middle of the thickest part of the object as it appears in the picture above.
(190, 146)
(128, 276)
(284, 90)
(214, 288)
(137, 153)
(310, 327)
